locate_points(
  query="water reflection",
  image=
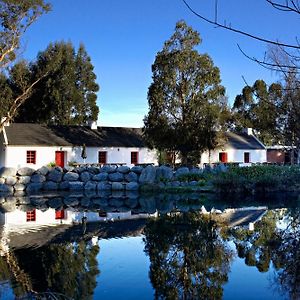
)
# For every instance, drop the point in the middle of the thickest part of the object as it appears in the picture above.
(50, 245)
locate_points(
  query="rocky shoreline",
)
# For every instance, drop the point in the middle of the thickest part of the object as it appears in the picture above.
(107, 178)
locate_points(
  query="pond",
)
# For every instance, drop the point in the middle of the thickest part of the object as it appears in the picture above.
(166, 246)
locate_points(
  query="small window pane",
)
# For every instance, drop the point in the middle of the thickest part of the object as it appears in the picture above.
(31, 157)
(134, 157)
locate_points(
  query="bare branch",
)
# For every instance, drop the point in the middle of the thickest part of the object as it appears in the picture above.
(285, 7)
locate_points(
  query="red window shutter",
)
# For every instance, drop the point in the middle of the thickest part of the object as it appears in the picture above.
(31, 157)
(59, 214)
(60, 158)
(223, 157)
(102, 157)
(134, 157)
(30, 216)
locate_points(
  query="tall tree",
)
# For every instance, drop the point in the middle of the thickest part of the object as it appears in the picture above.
(259, 107)
(67, 95)
(15, 18)
(185, 99)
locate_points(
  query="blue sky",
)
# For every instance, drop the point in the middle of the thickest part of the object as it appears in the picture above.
(123, 37)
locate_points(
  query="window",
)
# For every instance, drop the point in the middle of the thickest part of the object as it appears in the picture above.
(59, 214)
(223, 157)
(102, 156)
(134, 157)
(246, 157)
(31, 157)
(30, 215)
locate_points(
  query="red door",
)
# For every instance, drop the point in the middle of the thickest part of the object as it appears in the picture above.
(60, 158)
(223, 157)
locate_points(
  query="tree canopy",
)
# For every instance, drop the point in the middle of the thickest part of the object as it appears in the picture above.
(67, 94)
(186, 100)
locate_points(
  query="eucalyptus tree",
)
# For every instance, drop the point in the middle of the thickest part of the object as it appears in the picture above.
(186, 100)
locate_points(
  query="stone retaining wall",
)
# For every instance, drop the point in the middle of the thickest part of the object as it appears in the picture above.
(92, 178)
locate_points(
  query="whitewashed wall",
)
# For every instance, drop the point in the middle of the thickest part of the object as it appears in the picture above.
(2, 155)
(15, 156)
(233, 155)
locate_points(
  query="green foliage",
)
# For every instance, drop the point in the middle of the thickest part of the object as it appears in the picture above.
(67, 95)
(257, 177)
(186, 100)
(191, 177)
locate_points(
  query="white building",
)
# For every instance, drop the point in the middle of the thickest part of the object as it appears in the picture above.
(240, 147)
(36, 145)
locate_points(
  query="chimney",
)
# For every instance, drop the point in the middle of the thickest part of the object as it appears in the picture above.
(248, 131)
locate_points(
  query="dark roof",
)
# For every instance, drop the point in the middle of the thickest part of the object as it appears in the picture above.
(25, 134)
(240, 140)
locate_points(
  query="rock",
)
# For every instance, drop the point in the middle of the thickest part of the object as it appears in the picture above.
(64, 185)
(131, 177)
(55, 175)
(26, 171)
(123, 169)
(103, 186)
(43, 170)
(195, 170)
(116, 202)
(108, 169)
(182, 171)
(100, 177)
(131, 202)
(58, 169)
(23, 200)
(94, 170)
(69, 169)
(164, 173)
(117, 186)
(71, 201)
(34, 187)
(137, 169)
(70, 176)
(10, 180)
(148, 175)
(76, 185)
(55, 203)
(38, 178)
(184, 184)
(24, 179)
(116, 177)
(6, 188)
(175, 183)
(132, 186)
(19, 187)
(81, 169)
(85, 202)
(193, 183)
(2, 180)
(7, 172)
(90, 185)
(50, 186)
(85, 176)
(161, 185)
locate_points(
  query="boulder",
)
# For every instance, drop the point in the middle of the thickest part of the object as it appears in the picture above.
(55, 203)
(24, 179)
(116, 177)
(103, 186)
(6, 188)
(175, 183)
(85, 202)
(131, 177)
(182, 171)
(117, 186)
(85, 176)
(43, 170)
(69, 169)
(50, 186)
(148, 175)
(2, 180)
(193, 183)
(10, 180)
(93, 170)
(100, 177)
(34, 187)
(108, 169)
(137, 169)
(100, 201)
(7, 172)
(64, 185)
(132, 186)
(164, 173)
(76, 185)
(55, 175)
(71, 201)
(131, 202)
(25, 171)
(19, 187)
(70, 176)
(90, 185)
(38, 178)
(123, 169)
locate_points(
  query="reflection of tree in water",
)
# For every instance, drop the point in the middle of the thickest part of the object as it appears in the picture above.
(189, 259)
(279, 245)
(68, 269)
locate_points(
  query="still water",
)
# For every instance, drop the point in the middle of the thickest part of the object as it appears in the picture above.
(149, 247)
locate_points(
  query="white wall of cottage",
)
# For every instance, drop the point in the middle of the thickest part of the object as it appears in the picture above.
(234, 155)
(15, 156)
